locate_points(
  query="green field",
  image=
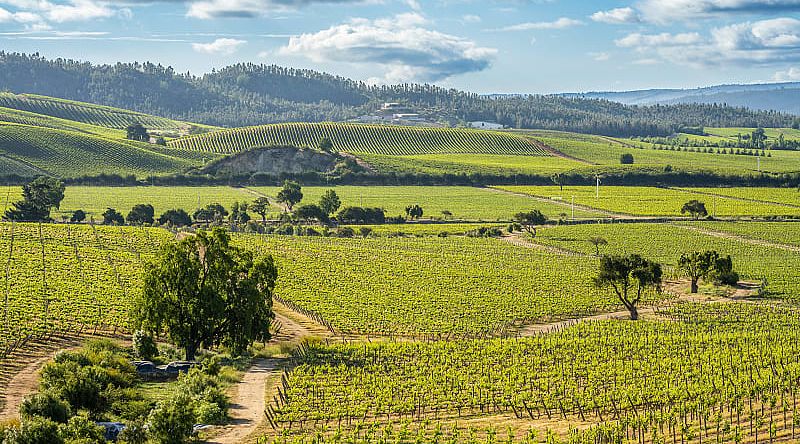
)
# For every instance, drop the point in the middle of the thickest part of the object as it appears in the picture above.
(785, 233)
(651, 201)
(463, 202)
(784, 196)
(501, 165)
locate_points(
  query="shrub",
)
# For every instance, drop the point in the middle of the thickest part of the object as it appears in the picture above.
(144, 346)
(44, 405)
(626, 159)
(81, 430)
(345, 232)
(134, 433)
(37, 431)
(172, 420)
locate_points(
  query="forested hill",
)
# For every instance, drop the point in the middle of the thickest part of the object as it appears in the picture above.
(248, 94)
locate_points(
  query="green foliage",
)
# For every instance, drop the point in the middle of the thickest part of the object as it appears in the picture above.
(213, 212)
(113, 217)
(141, 214)
(625, 273)
(325, 144)
(330, 202)
(695, 208)
(172, 420)
(529, 220)
(358, 215)
(309, 213)
(290, 194)
(261, 206)
(77, 216)
(414, 211)
(626, 159)
(205, 291)
(144, 346)
(44, 405)
(81, 429)
(698, 265)
(39, 197)
(137, 132)
(175, 218)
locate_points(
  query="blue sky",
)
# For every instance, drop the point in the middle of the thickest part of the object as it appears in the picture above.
(488, 46)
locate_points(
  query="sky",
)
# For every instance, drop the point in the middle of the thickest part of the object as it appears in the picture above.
(484, 46)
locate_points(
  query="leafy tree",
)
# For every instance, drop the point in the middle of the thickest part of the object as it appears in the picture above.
(205, 291)
(365, 232)
(414, 211)
(290, 195)
(78, 216)
(597, 242)
(697, 265)
(144, 345)
(172, 421)
(629, 273)
(358, 215)
(261, 206)
(758, 137)
(723, 273)
(626, 159)
(695, 208)
(530, 220)
(213, 212)
(141, 214)
(239, 213)
(330, 203)
(176, 218)
(113, 217)
(38, 198)
(311, 212)
(137, 131)
(326, 145)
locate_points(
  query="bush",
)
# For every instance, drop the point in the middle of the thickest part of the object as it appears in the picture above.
(81, 430)
(144, 346)
(208, 413)
(172, 420)
(36, 431)
(134, 433)
(626, 159)
(485, 232)
(285, 230)
(345, 232)
(44, 405)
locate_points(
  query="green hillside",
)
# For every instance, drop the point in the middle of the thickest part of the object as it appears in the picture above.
(28, 150)
(368, 139)
(97, 115)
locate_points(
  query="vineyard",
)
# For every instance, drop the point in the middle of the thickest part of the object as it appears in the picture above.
(69, 154)
(651, 201)
(97, 115)
(782, 196)
(369, 139)
(499, 165)
(717, 373)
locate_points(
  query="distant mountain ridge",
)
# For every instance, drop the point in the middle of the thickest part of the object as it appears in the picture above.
(783, 97)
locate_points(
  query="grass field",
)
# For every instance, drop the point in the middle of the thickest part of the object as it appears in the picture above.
(651, 201)
(463, 202)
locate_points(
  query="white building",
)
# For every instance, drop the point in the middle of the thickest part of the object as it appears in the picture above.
(486, 125)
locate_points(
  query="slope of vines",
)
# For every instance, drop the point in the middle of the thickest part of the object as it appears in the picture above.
(372, 139)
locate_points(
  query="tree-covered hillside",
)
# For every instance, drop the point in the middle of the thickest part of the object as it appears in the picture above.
(248, 94)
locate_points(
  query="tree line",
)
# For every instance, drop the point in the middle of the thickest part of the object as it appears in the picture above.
(250, 94)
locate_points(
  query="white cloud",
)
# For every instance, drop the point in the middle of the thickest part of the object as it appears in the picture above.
(764, 43)
(402, 45)
(37, 12)
(789, 75)
(219, 46)
(561, 23)
(617, 16)
(667, 11)
(210, 9)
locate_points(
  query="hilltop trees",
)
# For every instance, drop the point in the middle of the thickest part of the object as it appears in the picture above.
(137, 132)
(695, 208)
(626, 274)
(38, 198)
(205, 291)
(290, 195)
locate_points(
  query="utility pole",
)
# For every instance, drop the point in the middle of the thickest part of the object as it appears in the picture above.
(597, 190)
(573, 207)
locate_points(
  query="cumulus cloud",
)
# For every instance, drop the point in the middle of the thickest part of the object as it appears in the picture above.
(402, 45)
(561, 23)
(210, 9)
(222, 46)
(789, 75)
(617, 16)
(37, 13)
(764, 43)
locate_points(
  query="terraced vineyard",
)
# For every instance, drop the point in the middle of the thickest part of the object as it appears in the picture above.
(69, 277)
(370, 139)
(720, 373)
(431, 287)
(98, 115)
(651, 201)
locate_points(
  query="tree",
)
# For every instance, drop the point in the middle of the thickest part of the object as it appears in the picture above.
(38, 198)
(141, 214)
(695, 208)
(330, 203)
(326, 145)
(697, 265)
(358, 215)
(137, 132)
(290, 195)
(626, 273)
(261, 206)
(205, 291)
(530, 220)
(597, 242)
(113, 217)
(558, 179)
(176, 218)
(239, 213)
(626, 159)
(365, 232)
(758, 137)
(78, 216)
(310, 213)
(414, 211)
(213, 212)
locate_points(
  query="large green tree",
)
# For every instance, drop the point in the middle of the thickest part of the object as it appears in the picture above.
(697, 265)
(290, 195)
(530, 220)
(629, 277)
(261, 206)
(330, 202)
(38, 198)
(206, 292)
